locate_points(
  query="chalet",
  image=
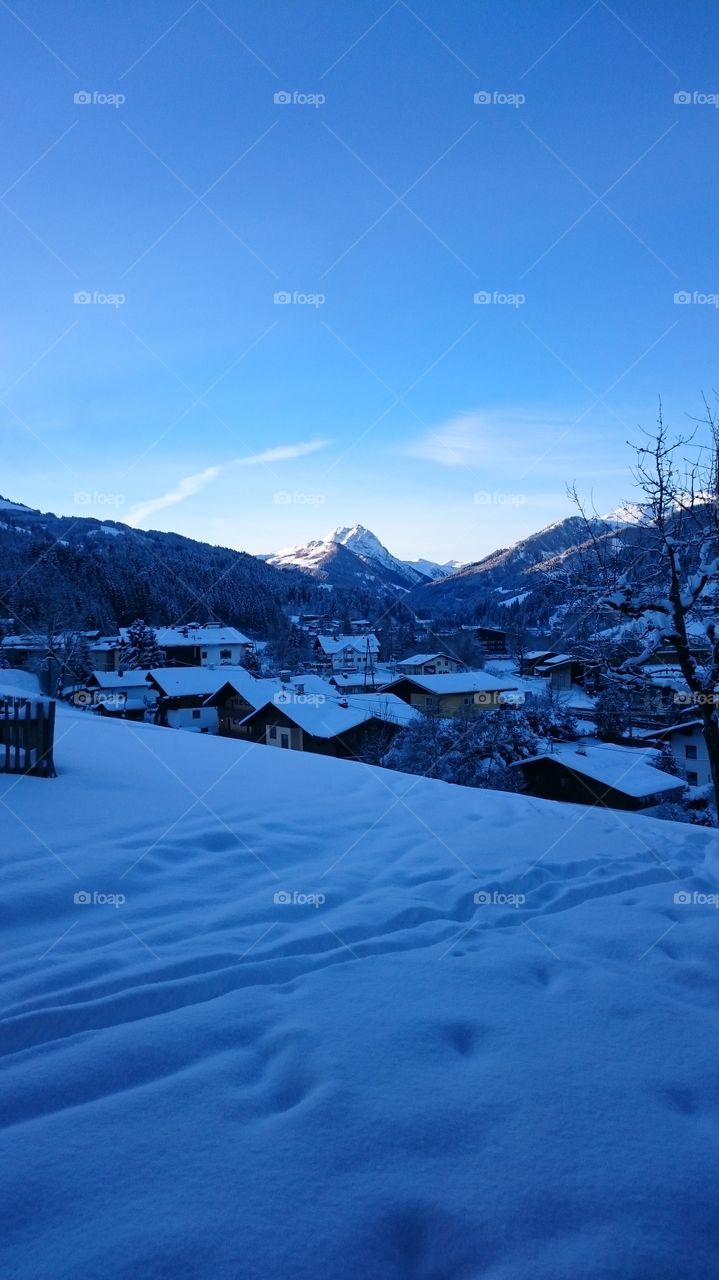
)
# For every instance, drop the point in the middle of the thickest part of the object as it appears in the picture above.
(536, 658)
(348, 728)
(182, 696)
(492, 640)
(366, 680)
(614, 777)
(430, 664)
(689, 749)
(123, 694)
(200, 645)
(563, 671)
(346, 653)
(241, 694)
(464, 693)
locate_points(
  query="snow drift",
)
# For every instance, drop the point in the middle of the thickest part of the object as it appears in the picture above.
(269, 1015)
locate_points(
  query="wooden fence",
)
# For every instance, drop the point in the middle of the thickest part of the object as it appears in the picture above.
(27, 732)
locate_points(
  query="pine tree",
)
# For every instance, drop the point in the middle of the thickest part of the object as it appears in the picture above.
(141, 650)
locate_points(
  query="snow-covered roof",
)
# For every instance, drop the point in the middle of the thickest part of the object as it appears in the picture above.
(185, 682)
(461, 682)
(626, 769)
(194, 635)
(350, 679)
(419, 659)
(119, 680)
(327, 717)
(335, 644)
(559, 659)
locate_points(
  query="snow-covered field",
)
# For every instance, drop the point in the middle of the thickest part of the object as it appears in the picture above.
(378, 1078)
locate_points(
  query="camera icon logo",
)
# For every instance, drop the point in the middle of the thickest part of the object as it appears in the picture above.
(282, 97)
(82, 897)
(82, 97)
(682, 897)
(482, 97)
(681, 298)
(282, 298)
(682, 97)
(82, 297)
(282, 897)
(482, 298)
(483, 898)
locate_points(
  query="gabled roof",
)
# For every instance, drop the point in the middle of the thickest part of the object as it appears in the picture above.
(419, 659)
(195, 635)
(335, 644)
(459, 682)
(117, 680)
(328, 718)
(625, 769)
(187, 682)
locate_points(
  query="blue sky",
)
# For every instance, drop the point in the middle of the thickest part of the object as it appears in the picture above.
(184, 396)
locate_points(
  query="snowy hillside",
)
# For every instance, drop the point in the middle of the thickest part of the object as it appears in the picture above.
(269, 1015)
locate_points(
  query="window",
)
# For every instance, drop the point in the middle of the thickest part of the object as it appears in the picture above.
(690, 752)
(273, 731)
(204, 653)
(196, 714)
(428, 702)
(225, 655)
(692, 778)
(467, 702)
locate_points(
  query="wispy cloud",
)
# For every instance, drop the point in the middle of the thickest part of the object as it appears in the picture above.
(193, 484)
(461, 441)
(531, 438)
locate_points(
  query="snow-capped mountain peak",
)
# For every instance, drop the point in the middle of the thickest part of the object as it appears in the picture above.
(332, 557)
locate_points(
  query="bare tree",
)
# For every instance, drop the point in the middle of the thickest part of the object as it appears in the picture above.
(663, 576)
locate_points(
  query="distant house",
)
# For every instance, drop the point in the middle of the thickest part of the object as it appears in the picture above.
(364, 680)
(123, 694)
(182, 696)
(536, 658)
(563, 671)
(430, 664)
(689, 749)
(346, 653)
(105, 653)
(464, 693)
(599, 774)
(493, 640)
(341, 727)
(200, 645)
